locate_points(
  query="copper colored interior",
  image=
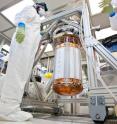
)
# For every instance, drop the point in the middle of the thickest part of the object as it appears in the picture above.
(67, 87)
(67, 38)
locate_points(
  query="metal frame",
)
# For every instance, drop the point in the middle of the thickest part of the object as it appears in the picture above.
(93, 45)
(89, 43)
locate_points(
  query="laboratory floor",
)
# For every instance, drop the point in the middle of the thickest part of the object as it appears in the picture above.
(54, 120)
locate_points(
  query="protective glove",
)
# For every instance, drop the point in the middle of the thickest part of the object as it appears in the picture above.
(106, 5)
(108, 9)
(20, 34)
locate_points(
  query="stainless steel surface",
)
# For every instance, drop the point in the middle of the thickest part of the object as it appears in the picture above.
(62, 15)
(32, 102)
(78, 100)
(106, 54)
(37, 106)
(40, 53)
(97, 108)
(71, 119)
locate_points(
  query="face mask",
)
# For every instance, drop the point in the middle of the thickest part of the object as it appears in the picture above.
(42, 12)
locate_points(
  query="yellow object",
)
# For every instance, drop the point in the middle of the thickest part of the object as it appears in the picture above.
(48, 75)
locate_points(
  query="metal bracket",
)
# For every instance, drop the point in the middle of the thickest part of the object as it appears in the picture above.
(97, 108)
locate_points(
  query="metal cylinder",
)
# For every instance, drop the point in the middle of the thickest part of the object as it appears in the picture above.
(67, 73)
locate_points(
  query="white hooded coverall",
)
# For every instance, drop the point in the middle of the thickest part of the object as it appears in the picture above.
(19, 66)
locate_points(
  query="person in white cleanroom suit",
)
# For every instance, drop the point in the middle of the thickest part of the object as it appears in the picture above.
(23, 49)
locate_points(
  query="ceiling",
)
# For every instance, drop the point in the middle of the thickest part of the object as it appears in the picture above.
(7, 28)
(4, 4)
(53, 4)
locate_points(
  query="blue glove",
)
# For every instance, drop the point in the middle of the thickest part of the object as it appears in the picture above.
(20, 34)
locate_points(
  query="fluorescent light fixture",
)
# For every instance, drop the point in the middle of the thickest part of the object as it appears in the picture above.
(94, 5)
(105, 33)
(12, 11)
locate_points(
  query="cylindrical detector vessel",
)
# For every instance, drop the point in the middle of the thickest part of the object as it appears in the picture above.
(67, 72)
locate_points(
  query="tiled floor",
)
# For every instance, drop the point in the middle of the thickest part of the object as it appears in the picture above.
(55, 120)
